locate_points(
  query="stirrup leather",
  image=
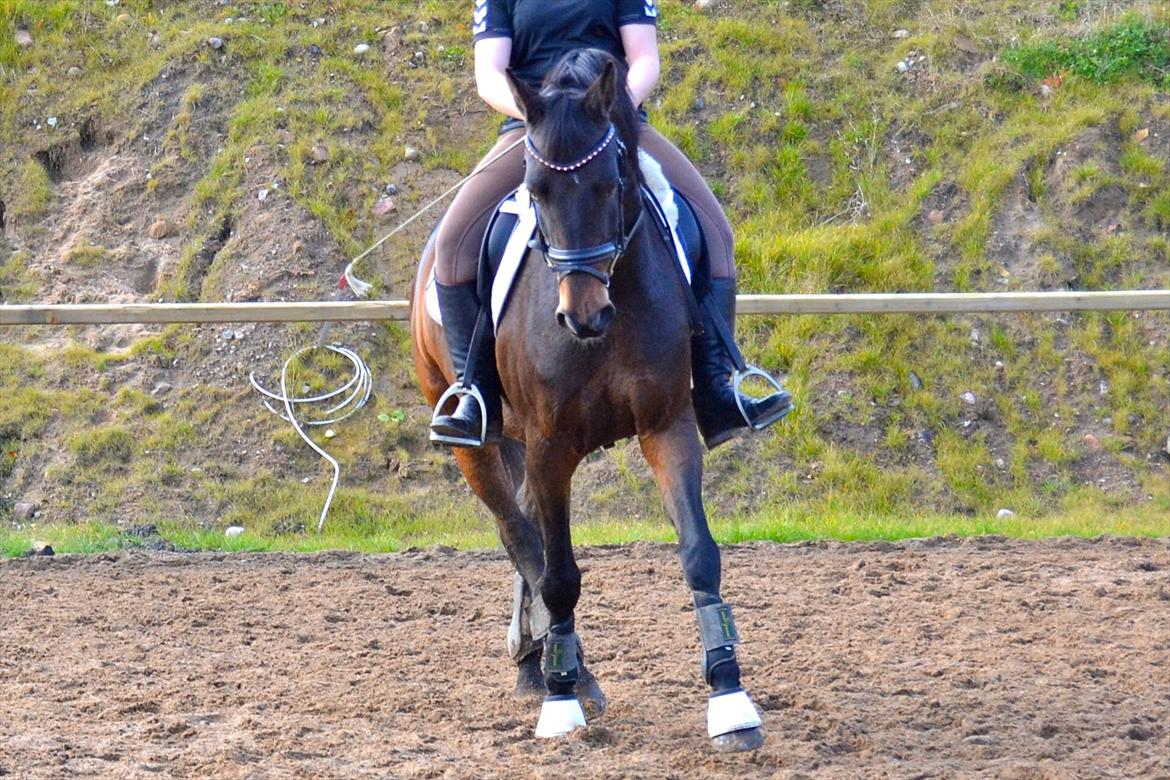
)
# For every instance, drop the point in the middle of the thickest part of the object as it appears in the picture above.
(737, 378)
(457, 391)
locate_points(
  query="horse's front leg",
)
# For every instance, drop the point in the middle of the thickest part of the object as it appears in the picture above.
(549, 473)
(488, 473)
(676, 458)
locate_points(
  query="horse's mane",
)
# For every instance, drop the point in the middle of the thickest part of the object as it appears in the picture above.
(572, 76)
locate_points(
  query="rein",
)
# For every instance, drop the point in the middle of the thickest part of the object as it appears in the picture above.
(584, 260)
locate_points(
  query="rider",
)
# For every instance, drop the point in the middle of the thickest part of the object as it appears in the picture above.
(530, 37)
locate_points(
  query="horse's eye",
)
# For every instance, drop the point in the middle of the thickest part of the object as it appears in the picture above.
(604, 188)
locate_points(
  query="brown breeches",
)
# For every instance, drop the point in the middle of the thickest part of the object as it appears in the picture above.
(458, 242)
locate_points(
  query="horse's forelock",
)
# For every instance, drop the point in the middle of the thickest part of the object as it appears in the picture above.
(564, 91)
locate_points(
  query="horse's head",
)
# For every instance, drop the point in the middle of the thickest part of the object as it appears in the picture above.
(581, 175)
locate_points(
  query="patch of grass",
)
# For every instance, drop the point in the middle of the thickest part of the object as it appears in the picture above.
(1133, 48)
(1157, 211)
(34, 192)
(87, 256)
(1085, 513)
(17, 282)
(109, 446)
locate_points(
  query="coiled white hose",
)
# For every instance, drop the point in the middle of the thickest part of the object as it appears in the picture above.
(359, 387)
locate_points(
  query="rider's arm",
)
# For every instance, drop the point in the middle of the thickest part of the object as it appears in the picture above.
(492, 56)
(641, 44)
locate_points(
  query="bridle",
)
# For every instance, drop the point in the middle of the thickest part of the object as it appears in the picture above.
(586, 260)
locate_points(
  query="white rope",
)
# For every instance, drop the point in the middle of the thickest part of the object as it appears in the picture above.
(359, 387)
(360, 288)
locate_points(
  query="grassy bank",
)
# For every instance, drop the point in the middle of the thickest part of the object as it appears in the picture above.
(1088, 515)
(857, 147)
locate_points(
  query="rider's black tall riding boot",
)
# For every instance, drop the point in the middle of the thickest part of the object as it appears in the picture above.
(711, 365)
(459, 305)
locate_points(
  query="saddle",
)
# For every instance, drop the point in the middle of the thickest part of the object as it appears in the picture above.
(513, 225)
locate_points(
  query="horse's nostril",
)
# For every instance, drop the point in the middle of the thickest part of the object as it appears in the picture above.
(561, 319)
(603, 317)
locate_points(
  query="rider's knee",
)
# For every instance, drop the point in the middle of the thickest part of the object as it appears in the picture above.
(451, 267)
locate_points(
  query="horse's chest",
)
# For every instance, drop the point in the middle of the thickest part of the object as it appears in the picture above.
(597, 391)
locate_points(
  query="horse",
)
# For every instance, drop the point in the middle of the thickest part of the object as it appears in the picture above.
(594, 348)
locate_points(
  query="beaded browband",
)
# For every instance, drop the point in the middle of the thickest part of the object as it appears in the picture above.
(531, 147)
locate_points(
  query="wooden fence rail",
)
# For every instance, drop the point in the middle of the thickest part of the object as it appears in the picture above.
(310, 311)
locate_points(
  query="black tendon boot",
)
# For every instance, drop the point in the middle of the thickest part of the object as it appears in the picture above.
(459, 305)
(712, 365)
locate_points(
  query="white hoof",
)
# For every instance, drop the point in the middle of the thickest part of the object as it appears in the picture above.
(731, 711)
(558, 716)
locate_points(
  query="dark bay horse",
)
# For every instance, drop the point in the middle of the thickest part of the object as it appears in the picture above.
(595, 347)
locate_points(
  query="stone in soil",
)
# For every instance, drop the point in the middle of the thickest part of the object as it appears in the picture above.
(162, 229)
(384, 207)
(39, 548)
(24, 511)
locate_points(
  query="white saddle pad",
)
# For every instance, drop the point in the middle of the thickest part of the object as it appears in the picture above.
(517, 246)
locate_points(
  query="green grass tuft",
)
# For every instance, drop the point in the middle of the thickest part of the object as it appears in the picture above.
(1133, 48)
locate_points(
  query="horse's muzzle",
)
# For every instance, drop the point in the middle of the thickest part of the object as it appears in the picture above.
(592, 327)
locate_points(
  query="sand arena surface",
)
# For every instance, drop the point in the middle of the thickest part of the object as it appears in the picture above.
(932, 658)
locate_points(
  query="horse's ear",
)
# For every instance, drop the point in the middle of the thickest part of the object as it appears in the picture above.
(528, 100)
(602, 93)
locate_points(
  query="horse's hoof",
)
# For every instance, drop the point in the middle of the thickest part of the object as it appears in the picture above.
(530, 679)
(558, 716)
(733, 723)
(589, 692)
(739, 741)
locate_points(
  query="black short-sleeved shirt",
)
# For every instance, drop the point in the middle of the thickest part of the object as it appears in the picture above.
(542, 31)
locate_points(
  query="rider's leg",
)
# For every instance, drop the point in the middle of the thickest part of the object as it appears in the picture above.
(456, 265)
(716, 408)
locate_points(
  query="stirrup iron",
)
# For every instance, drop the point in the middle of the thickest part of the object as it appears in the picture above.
(737, 378)
(457, 391)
